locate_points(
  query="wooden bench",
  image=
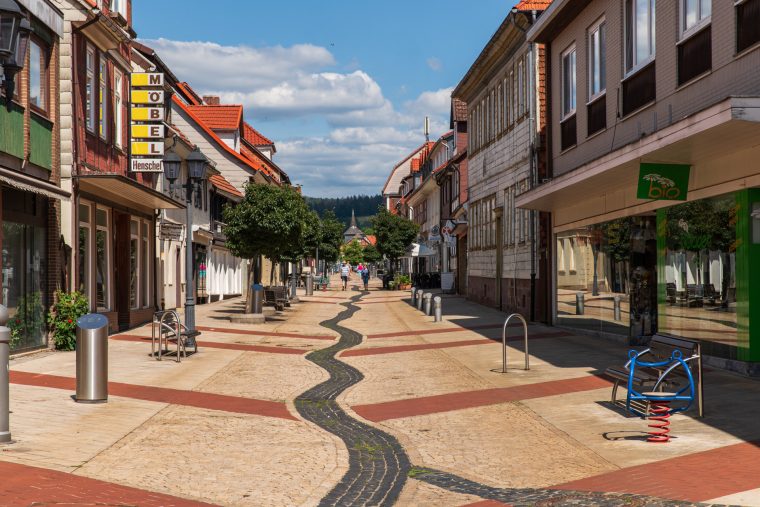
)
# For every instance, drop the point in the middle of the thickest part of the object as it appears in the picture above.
(661, 348)
(277, 297)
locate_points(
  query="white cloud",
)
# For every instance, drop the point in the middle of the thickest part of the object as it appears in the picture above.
(434, 63)
(365, 134)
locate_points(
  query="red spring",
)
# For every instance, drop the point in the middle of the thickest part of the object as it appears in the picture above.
(659, 417)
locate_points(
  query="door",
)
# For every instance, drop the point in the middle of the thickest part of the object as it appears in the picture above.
(121, 242)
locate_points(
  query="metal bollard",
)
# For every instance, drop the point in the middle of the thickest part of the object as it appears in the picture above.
(293, 286)
(414, 296)
(616, 310)
(309, 284)
(437, 310)
(428, 297)
(579, 303)
(419, 299)
(5, 351)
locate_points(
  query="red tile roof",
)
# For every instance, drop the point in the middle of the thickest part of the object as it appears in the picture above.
(458, 110)
(255, 137)
(226, 117)
(372, 240)
(189, 93)
(530, 5)
(415, 165)
(225, 186)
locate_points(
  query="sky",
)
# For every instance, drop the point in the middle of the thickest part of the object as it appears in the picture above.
(341, 86)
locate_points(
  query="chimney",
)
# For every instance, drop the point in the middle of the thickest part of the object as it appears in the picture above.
(211, 100)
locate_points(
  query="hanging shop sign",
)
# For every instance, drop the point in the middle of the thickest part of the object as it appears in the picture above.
(171, 231)
(435, 234)
(668, 182)
(147, 128)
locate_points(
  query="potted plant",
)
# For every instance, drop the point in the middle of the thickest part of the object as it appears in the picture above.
(403, 282)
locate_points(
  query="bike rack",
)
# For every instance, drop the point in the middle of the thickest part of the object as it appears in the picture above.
(504, 342)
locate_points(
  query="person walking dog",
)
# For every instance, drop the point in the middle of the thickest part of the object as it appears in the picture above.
(345, 272)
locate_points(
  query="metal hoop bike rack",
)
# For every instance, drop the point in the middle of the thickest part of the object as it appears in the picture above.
(504, 342)
(167, 327)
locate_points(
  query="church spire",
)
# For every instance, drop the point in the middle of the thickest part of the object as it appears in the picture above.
(353, 219)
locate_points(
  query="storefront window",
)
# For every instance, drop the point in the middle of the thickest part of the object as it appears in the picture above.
(102, 254)
(698, 300)
(84, 249)
(144, 264)
(606, 277)
(134, 246)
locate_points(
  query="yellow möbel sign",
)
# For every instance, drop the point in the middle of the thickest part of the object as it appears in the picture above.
(147, 148)
(140, 79)
(147, 113)
(152, 131)
(147, 96)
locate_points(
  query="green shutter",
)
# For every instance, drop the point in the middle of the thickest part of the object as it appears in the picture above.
(41, 137)
(11, 130)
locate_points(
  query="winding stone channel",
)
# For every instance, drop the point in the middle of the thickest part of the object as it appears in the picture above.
(378, 465)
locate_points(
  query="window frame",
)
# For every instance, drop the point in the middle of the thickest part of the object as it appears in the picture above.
(686, 32)
(631, 67)
(90, 82)
(103, 96)
(599, 26)
(90, 225)
(134, 237)
(750, 47)
(565, 114)
(521, 88)
(44, 76)
(145, 241)
(118, 108)
(108, 269)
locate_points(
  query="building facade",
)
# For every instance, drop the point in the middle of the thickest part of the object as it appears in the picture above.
(654, 183)
(505, 105)
(33, 255)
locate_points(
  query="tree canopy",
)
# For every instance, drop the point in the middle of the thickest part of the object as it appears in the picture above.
(331, 237)
(394, 233)
(353, 253)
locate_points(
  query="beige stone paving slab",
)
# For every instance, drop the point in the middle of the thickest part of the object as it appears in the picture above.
(502, 445)
(265, 376)
(51, 430)
(749, 498)
(391, 377)
(417, 493)
(223, 458)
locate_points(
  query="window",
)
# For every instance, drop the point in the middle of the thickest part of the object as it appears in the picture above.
(747, 24)
(119, 6)
(144, 265)
(84, 249)
(694, 14)
(134, 259)
(505, 103)
(520, 88)
(103, 249)
(103, 98)
(118, 109)
(568, 82)
(639, 33)
(38, 75)
(90, 89)
(500, 109)
(510, 97)
(597, 53)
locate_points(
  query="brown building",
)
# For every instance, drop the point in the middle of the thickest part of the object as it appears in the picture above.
(654, 182)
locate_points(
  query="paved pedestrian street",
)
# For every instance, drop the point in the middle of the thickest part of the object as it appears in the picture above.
(357, 398)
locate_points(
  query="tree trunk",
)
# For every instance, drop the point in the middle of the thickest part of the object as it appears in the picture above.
(251, 279)
(271, 274)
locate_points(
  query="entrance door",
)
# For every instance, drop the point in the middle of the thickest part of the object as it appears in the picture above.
(643, 275)
(121, 266)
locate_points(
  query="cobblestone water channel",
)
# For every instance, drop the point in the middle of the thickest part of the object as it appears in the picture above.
(379, 466)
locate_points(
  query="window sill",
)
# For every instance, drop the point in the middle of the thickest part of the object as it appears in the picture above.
(629, 74)
(747, 50)
(694, 30)
(40, 115)
(595, 134)
(599, 96)
(693, 80)
(639, 110)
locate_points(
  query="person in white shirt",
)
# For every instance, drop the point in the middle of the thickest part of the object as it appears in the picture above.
(345, 272)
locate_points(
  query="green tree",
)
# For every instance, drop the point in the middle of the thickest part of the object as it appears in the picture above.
(394, 234)
(268, 221)
(331, 239)
(372, 255)
(353, 253)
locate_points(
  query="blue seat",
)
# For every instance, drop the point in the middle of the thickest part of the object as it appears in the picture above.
(683, 395)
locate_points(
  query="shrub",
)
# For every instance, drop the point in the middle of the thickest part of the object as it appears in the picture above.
(63, 317)
(403, 280)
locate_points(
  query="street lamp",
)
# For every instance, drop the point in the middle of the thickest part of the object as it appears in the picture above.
(196, 172)
(14, 41)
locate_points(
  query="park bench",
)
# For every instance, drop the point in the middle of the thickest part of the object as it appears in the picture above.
(659, 349)
(277, 297)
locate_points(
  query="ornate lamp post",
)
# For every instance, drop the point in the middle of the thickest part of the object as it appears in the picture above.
(196, 172)
(14, 41)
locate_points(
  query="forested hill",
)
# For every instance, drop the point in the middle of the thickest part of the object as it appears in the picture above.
(364, 205)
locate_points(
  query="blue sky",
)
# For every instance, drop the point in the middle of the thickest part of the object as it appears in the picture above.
(342, 87)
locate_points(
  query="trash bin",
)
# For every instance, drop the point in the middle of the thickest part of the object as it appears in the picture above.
(309, 284)
(257, 296)
(92, 358)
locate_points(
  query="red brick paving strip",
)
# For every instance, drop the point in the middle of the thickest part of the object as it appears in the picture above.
(486, 503)
(210, 401)
(693, 478)
(220, 345)
(266, 333)
(411, 407)
(27, 485)
(476, 327)
(445, 345)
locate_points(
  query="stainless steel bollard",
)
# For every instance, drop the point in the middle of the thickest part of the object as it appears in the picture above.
(419, 299)
(579, 303)
(293, 286)
(257, 298)
(92, 358)
(414, 296)
(437, 310)
(616, 310)
(309, 284)
(428, 297)
(5, 352)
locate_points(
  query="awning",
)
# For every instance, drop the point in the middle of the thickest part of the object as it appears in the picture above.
(419, 250)
(720, 143)
(29, 184)
(122, 190)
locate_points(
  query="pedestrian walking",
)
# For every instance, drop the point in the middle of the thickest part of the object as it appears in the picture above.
(345, 272)
(365, 277)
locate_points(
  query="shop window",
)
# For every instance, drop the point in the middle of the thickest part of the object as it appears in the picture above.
(38, 75)
(145, 265)
(84, 249)
(102, 260)
(134, 259)
(747, 24)
(90, 104)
